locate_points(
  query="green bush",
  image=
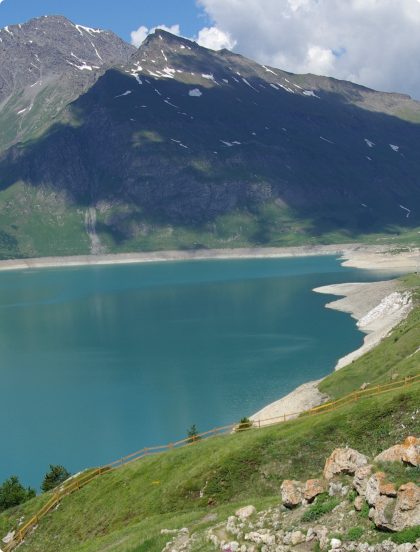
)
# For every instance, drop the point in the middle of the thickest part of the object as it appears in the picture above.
(244, 423)
(364, 512)
(352, 495)
(54, 477)
(193, 434)
(317, 547)
(323, 505)
(13, 493)
(411, 534)
(354, 533)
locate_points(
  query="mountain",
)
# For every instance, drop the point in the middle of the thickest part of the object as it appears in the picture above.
(178, 146)
(46, 64)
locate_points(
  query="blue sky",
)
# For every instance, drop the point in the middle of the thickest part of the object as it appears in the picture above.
(121, 16)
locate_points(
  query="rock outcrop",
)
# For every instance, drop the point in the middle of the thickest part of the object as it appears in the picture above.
(361, 476)
(376, 486)
(408, 452)
(344, 460)
(245, 512)
(291, 493)
(313, 488)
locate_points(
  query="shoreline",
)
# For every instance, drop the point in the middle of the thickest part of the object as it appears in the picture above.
(352, 254)
(377, 306)
(304, 397)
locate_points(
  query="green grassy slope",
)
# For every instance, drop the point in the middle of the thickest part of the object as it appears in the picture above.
(126, 509)
(40, 222)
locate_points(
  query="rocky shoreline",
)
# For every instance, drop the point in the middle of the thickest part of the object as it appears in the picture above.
(377, 306)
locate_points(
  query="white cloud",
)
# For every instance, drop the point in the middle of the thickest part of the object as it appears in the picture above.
(209, 37)
(141, 33)
(372, 42)
(214, 38)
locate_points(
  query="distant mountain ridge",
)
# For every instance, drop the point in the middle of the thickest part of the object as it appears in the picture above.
(174, 145)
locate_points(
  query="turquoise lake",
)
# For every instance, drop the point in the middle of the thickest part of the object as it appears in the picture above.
(97, 362)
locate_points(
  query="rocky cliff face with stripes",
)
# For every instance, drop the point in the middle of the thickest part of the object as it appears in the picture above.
(174, 145)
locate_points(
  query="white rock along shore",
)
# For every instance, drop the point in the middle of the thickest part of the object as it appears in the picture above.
(377, 306)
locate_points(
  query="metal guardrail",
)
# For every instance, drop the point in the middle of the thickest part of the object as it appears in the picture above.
(72, 485)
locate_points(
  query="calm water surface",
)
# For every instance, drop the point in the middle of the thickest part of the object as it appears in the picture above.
(97, 362)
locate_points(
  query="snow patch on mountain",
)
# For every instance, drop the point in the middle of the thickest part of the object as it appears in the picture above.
(249, 84)
(88, 30)
(126, 93)
(407, 210)
(310, 93)
(209, 76)
(268, 70)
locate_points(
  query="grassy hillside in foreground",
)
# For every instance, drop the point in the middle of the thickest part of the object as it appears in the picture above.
(125, 510)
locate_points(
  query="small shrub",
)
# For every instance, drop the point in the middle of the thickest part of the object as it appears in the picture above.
(354, 533)
(193, 434)
(411, 534)
(364, 512)
(323, 505)
(13, 493)
(54, 477)
(244, 423)
(352, 495)
(317, 547)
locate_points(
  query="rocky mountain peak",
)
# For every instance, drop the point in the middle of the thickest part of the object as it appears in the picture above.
(53, 44)
(44, 64)
(161, 36)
